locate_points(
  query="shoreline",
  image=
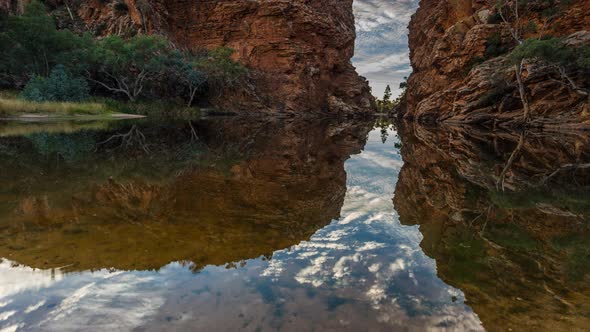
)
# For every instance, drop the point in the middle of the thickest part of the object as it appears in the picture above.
(60, 117)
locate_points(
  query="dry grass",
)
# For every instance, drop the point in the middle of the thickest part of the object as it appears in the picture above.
(10, 105)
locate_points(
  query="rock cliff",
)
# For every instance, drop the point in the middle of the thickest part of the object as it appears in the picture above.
(460, 70)
(298, 51)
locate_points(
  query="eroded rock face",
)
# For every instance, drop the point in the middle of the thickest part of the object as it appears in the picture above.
(448, 41)
(299, 51)
(211, 192)
(519, 255)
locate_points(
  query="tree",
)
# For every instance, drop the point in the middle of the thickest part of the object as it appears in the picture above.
(32, 45)
(184, 69)
(125, 66)
(509, 12)
(387, 95)
(220, 69)
(562, 57)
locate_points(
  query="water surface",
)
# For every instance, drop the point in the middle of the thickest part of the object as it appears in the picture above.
(231, 224)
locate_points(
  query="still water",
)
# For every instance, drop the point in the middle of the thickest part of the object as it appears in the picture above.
(228, 224)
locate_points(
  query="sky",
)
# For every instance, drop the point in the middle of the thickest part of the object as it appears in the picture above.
(382, 53)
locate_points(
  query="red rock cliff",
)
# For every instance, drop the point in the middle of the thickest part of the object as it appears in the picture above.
(299, 51)
(456, 80)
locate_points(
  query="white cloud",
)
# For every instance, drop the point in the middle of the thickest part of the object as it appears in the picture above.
(382, 53)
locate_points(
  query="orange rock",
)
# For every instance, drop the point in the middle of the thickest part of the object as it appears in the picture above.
(298, 51)
(454, 80)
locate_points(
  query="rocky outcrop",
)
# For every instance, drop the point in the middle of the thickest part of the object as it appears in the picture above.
(461, 74)
(298, 51)
(520, 256)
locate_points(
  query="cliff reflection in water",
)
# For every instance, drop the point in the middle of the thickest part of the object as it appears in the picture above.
(521, 255)
(137, 196)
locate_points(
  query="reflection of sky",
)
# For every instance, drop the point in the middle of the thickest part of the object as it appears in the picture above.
(382, 54)
(364, 271)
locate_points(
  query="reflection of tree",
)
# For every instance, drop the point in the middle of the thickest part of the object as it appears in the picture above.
(133, 136)
(385, 124)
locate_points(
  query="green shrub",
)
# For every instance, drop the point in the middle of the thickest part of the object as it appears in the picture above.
(554, 51)
(59, 86)
(30, 45)
(220, 69)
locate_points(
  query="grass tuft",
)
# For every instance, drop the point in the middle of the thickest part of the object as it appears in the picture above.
(10, 105)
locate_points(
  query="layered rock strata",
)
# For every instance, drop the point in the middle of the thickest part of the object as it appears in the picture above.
(461, 72)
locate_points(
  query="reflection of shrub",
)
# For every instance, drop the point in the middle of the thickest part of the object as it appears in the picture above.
(59, 86)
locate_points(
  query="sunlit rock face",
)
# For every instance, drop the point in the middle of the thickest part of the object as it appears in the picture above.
(299, 51)
(461, 73)
(210, 192)
(519, 255)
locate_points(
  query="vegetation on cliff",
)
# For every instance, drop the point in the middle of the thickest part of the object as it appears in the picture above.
(55, 65)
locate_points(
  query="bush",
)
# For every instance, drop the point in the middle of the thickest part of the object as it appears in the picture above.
(30, 45)
(60, 86)
(220, 69)
(554, 51)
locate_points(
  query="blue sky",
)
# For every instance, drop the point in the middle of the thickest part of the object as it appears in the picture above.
(382, 54)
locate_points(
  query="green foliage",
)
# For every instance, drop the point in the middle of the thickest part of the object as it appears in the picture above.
(386, 104)
(387, 94)
(124, 66)
(554, 51)
(404, 84)
(183, 68)
(32, 46)
(59, 86)
(141, 66)
(219, 68)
